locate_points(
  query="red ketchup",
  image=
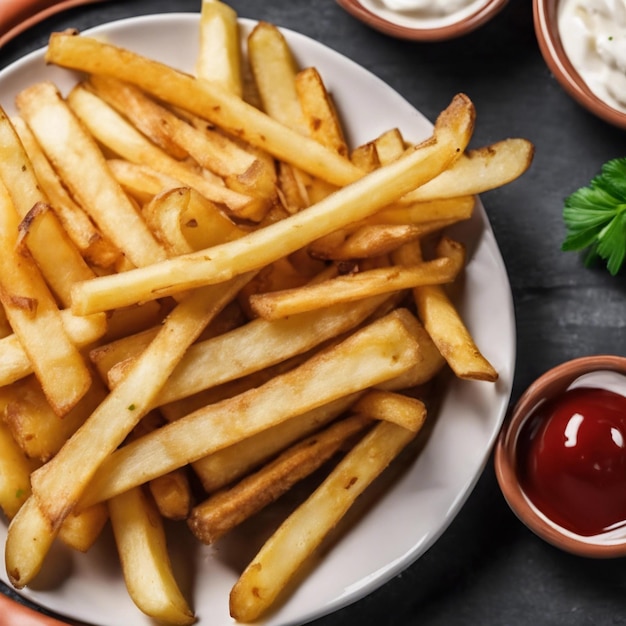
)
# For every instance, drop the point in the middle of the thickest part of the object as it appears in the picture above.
(572, 460)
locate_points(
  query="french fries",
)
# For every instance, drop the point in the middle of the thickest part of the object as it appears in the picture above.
(238, 297)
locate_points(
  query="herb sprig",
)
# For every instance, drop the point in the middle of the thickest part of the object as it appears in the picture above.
(595, 217)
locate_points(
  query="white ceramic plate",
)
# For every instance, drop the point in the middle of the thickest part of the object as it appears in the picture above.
(391, 528)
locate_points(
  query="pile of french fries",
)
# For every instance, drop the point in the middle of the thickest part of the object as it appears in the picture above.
(207, 296)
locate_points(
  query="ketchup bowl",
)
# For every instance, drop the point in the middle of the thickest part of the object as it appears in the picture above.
(560, 458)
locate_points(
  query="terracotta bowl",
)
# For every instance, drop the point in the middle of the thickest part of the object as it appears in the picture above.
(550, 384)
(545, 14)
(402, 27)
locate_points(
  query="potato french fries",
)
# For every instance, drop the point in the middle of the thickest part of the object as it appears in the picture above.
(241, 170)
(36, 320)
(300, 534)
(380, 351)
(220, 295)
(146, 565)
(61, 264)
(263, 246)
(219, 58)
(224, 510)
(94, 247)
(76, 156)
(319, 111)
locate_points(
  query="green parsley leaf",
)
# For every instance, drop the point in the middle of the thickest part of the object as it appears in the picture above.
(595, 217)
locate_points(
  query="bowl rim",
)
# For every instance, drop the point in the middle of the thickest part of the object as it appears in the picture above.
(550, 383)
(545, 19)
(449, 31)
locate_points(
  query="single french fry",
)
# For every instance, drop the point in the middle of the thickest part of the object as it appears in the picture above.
(378, 352)
(319, 111)
(453, 209)
(146, 565)
(444, 324)
(389, 145)
(81, 165)
(226, 509)
(36, 320)
(185, 221)
(219, 56)
(61, 263)
(221, 107)
(265, 245)
(274, 70)
(391, 406)
(15, 470)
(221, 468)
(372, 240)
(478, 170)
(351, 287)
(172, 494)
(94, 247)
(80, 530)
(301, 533)
(81, 330)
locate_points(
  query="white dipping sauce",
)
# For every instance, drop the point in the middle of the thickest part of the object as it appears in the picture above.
(593, 34)
(423, 13)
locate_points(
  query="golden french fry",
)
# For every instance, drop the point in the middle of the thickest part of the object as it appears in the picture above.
(219, 57)
(231, 463)
(274, 70)
(265, 245)
(319, 111)
(80, 530)
(380, 351)
(172, 494)
(444, 324)
(390, 145)
(184, 221)
(452, 209)
(226, 509)
(202, 98)
(301, 533)
(61, 263)
(36, 320)
(146, 565)
(260, 344)
(352, 287)
(15, 470)
(81, 330)
(81, 165)
(390, 406)
(478, 171)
